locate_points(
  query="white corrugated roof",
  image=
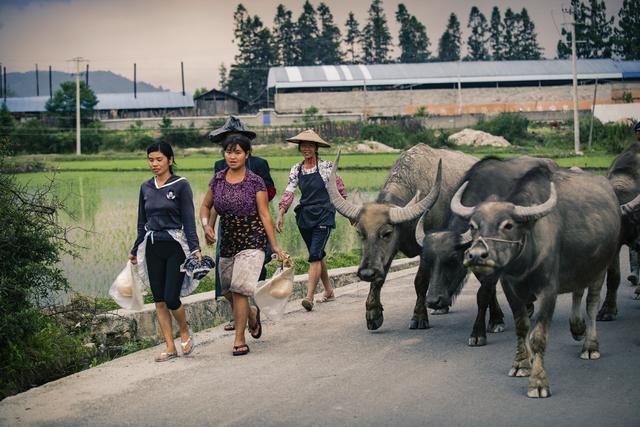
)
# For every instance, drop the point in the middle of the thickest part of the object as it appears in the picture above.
(111, 101)
(446, 72)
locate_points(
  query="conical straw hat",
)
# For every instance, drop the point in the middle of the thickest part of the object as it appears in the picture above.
(309, 136)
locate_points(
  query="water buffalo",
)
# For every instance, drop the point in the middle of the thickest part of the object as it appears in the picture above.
(443, 250)
(624, 176)
(557, 232)
(387, 225)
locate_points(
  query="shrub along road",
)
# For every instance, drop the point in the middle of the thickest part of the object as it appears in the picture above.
(326, 368)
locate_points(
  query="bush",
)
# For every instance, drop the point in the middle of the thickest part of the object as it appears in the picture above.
(33, 349)
(391, 135)
(511, 126)
(34, 136)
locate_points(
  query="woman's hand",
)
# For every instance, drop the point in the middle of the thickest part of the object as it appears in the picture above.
(280, 254)
(198, 255)
(133, 259)
(209, 234)
(279, 223)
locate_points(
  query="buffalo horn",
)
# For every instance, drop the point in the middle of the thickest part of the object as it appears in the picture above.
(410, 212)
(345, 208)
(631, 206)
(420, 230)
(532, 213)
(456, 203)
(466, 237)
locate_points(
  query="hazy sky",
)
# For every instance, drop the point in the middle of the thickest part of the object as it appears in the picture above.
(158, 34)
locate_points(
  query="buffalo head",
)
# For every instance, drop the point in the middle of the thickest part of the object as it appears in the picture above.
(498, 229)
(378, 225)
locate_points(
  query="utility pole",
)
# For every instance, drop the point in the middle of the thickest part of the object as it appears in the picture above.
(593, 111)
(574, 71)
(37, 82)
(78, 60)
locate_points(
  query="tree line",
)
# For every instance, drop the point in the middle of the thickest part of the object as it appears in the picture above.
(314, 38)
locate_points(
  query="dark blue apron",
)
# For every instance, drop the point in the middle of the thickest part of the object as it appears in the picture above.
(314, 208)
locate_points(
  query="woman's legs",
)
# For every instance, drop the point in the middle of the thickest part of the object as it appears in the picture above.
(324, 276)
(164, 319)
(241, 314)
(173, 287)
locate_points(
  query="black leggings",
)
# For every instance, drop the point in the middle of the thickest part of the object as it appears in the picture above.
(163, 264)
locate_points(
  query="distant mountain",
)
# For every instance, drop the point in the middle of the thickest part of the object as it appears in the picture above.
(24, 84)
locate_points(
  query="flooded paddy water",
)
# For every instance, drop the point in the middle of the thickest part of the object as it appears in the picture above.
(101, 210)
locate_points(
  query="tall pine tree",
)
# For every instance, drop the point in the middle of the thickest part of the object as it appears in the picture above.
(329, 39)
(248, 74)
(414, 43)
(284, 36)
(593, 31)
(627, 34)
(496, 29)
(376, 39)
(476, 43)
(307, 36)
(352, 39)
(527, 38)
(509, 35)
(223, 79)
(449, 44)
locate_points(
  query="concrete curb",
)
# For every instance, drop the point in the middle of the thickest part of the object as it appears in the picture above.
(204, 311)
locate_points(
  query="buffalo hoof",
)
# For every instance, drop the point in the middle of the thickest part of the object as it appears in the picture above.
(578, 329)
(438, 311)
(373, 324)
(477, 341)
(495, 328)
(519, 372)
(633, 279)
(419, 324)
(539, 392)
(590, 355)
(607, 314)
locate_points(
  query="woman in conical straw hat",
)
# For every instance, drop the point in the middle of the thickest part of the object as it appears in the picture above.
(315, 215)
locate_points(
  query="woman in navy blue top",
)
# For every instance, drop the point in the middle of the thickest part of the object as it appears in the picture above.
(166, 236)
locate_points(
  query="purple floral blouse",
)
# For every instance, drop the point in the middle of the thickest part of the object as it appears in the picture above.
(236, 204)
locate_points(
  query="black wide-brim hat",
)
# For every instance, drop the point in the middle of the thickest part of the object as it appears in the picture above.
(233, 124)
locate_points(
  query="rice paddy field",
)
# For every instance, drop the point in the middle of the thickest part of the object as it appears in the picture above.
(101, 195)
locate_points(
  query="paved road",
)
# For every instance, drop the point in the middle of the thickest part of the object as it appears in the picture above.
(325, 368)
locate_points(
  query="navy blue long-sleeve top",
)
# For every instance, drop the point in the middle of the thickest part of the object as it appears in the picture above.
(167, 207)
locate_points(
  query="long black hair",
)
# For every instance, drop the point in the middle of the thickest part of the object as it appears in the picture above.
(165, 149)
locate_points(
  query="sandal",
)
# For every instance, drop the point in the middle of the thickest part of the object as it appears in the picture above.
(184, 345)
(240, 350)
(326, 298)
(307, 304)
(256, 331)
(231, 326)
(164, 356)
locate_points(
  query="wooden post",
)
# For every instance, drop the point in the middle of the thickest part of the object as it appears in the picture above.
(593, 110)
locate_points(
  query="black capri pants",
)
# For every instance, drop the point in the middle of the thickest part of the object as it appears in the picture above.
(316, 239)
(163, 259)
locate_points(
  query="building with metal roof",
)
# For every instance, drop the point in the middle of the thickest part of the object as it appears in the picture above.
(449, 88)
(117, 105)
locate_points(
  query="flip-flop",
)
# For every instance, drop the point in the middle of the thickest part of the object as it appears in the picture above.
(231, 326)
(238, 352)
(258, 326)
(191, 340)
(307, 304)
(325, 298)
(164, 356)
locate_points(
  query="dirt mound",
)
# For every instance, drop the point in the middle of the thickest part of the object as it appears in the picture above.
(477, 138)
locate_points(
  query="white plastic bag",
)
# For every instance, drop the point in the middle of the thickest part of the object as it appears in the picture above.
(272, 297)
(126, 290)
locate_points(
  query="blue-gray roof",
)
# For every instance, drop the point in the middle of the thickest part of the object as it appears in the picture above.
(111, 101)
(448, 72)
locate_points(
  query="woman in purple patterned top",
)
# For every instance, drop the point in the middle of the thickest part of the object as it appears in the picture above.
(239, 197)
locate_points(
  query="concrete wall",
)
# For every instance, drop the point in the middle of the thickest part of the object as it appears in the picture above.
(203, 311)
(448, 102)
